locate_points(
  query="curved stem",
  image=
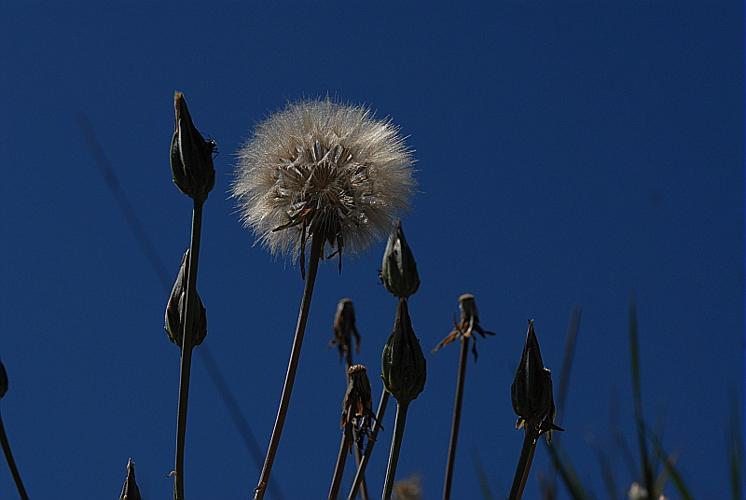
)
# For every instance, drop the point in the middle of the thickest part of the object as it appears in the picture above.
(524, 462)
(11, 462)
(186, 349)
(360, 474)
(460, 379)
(339, 468)
(401, 419)
(317, 244)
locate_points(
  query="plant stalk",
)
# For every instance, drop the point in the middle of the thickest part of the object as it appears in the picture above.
(460, 379)
(524, 462)
(11, 462)
(401, 419)
(186, 348)
(339, 468)
(317, 244)
(360, 474)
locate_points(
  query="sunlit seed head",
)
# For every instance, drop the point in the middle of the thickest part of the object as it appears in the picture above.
(322, 169)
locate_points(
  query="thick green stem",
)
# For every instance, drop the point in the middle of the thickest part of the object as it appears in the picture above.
(524, 462)
(11, 462)
(186, 348)
(401, 419)
(317, 244)
(339, 468)
(461, 377)
(360, 474)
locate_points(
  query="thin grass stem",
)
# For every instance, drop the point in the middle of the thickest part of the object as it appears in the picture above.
(317, 244)
(360, 474)
(524, 462)
(11, 462)
(396, 440)
(339, 467)
(460, 380)
(186, 349)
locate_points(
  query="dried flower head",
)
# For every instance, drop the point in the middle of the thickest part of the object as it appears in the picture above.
(468, 324)
(357, 407)
(320, 169)
(345, 330)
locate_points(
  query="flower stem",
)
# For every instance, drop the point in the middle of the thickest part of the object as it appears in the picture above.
(524, 462)
(360, 474)
(11, 462)
(460, 379)
(401, 418)
(317, 244)
(339, 468)
(186, 348)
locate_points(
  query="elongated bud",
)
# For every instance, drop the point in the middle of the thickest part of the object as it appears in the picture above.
(399, 269)
(403, 365)
(3, 380)
(130, 491)
(531, 391)
(175, 309)
(191, 155)
(357, 407)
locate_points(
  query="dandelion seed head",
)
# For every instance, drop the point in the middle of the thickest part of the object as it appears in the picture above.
(322, 169)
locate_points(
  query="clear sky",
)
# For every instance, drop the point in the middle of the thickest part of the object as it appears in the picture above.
(566, 155)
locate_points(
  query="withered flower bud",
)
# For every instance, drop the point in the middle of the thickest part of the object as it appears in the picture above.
(191, 155)
(357, 407)
(468, 323)
(130, 491)
(175, 310)
(531, 391)
(403, 364)
(3, 380)
(345, 329)
(399, 269)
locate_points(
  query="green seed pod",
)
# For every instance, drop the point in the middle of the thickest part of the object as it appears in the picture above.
(399, 269)
(403, 365)
(130, 491)
(175, 309)
(3, 380)
(191, 155)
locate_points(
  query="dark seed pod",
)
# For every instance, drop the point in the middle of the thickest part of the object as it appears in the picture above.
(130, 491)
(191, 155)
(403, 365)
(399, 269)
(531, 391)
(175, 309)
(345, 329)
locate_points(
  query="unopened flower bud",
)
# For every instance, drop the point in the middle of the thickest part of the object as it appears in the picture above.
(191, 155)
(403, 364)
(3, 380)
(175, 310)
(531, 391)
(130, 491)
(399, 269)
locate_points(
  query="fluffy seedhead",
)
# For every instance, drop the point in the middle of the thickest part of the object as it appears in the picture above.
(320, 169)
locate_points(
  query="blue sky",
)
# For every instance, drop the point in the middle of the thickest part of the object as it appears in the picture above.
(566, 155)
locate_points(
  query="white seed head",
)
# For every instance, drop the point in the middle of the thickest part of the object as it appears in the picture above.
(322, 169)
